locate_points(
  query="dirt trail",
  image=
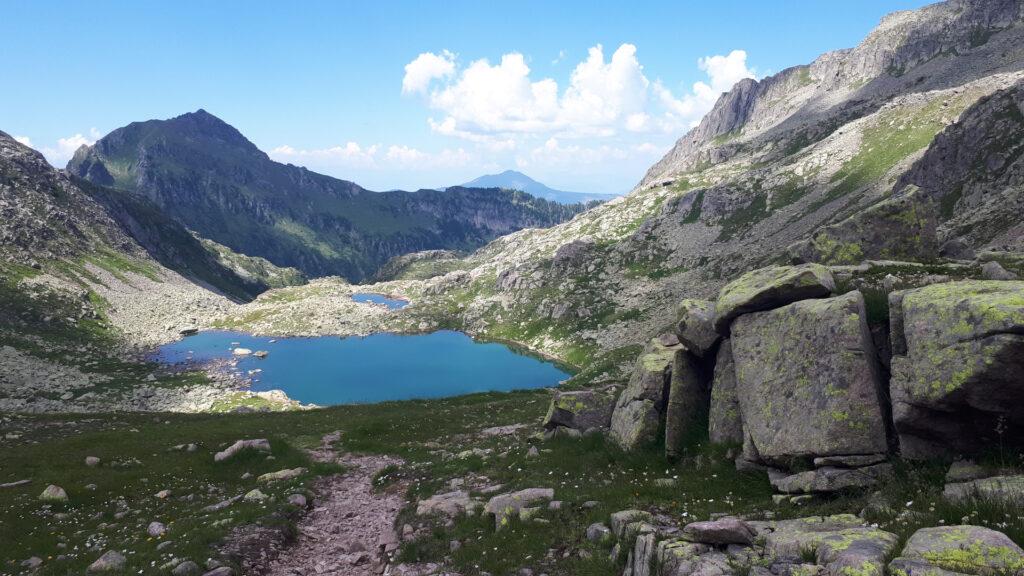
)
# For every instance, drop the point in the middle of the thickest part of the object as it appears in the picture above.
(350, 529)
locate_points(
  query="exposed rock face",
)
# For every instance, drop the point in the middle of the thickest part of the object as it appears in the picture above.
(581, 409)
(769, 288)
(640, 407)
(695, 327)
(902, 41)
(687, 403)
(901, 228)
(959, 549)
(720, 532)
(725, 423)
(506, 506)
(807, 381)
(975, 171)
(959, 371)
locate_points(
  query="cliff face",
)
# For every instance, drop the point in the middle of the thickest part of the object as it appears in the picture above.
(48, 216)
(205, 174)
(804, 103)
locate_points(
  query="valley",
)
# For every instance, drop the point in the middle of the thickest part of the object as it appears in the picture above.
(794, 348)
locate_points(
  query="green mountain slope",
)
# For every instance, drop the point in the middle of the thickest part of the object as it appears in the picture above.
(205, 174)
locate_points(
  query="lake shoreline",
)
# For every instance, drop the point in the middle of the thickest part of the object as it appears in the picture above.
(366, 372)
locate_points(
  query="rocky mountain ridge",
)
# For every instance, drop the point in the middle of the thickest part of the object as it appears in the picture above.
(202, 172)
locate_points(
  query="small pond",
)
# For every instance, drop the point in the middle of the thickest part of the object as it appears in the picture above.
(391, 303)
(329, 370)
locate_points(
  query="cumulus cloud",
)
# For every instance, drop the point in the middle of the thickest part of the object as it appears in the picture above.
(23, 140)
(723, 73)
(484, 101)
(426, 67)
(374, 156)
(59, 154)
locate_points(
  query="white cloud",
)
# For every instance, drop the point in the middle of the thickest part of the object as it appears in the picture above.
(425, 68)
(723, 73)
(559, 58)
(374, 157)
(23, 140)
(484, 102)
(65, 148)
(351, 154)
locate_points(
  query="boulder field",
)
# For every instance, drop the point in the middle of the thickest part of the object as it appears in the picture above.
(790, 365)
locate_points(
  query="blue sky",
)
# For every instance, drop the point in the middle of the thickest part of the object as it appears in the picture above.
(580, 95)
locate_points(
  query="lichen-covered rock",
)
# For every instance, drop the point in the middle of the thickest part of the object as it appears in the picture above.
(581, 409)
(807, 380)
(958, 380)
(641, 405)
(1007, 489)
(687, 404)
(110, 561)
(679, 556)
(724, 422)
(769, 288)
(450, 504)
(900, 228)
(831, 479)
(623, 518)
(720, 532)
(841, 544)
(695, 326)
(965, 470)
(962, 549)
(506, 506)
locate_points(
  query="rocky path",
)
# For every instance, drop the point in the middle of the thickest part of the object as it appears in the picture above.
(350, 529)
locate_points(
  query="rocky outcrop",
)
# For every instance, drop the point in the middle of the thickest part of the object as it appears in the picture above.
(641, 406)
(687, 406)
(695, 326)
(958, 370)
(974, 170)
(808, 381)
(769, 288)
(581, 409)
(960, 550)
(900, 228)
(725, 423)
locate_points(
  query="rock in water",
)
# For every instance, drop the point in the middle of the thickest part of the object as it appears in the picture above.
(770, 288)
(724, 422)
(958, 377)
(687, 406)
(960, 549)
(695, 326)
(111, 561)
(808, 382)
(638, 411)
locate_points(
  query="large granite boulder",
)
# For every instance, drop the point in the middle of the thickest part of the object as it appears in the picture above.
(769, 288)
(724, 422)
(829, 479)
(958, 371)
(841, 544)
(581, 409)
(960, 549)
(808, 381)
(641, 405)
(695, 326)
(687, 406)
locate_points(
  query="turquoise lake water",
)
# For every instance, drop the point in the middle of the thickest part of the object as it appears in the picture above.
(392, 303)
(329, 370)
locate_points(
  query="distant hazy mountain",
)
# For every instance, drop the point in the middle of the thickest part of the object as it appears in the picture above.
(205, 174)
(512, 180)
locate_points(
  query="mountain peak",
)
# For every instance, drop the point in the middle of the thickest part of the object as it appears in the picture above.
(515, 180)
